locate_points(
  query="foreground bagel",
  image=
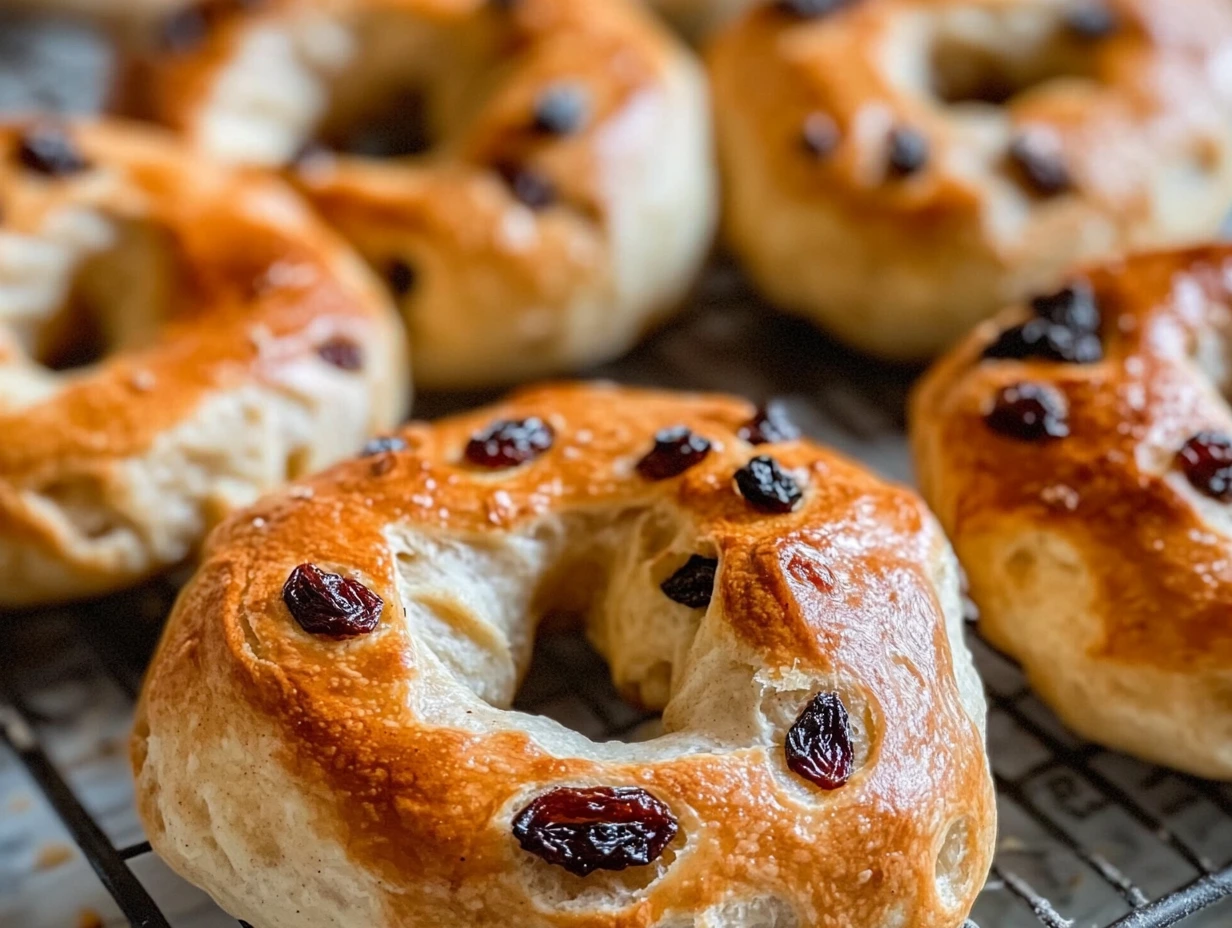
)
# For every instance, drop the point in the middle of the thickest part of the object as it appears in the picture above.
(324, 736)
(1080, 461)
(220, 340)
(901, 169)
(568, 201)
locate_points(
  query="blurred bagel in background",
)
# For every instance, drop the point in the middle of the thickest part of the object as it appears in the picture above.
(176, 336)
(559, 201)
(900, 169)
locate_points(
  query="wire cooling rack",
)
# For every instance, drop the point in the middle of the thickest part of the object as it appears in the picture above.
(1088, 838)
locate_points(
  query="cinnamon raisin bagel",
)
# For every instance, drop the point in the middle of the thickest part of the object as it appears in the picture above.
(1078, 454)
(175, 338)
(901, 169)
(567, 198)
(325, 738)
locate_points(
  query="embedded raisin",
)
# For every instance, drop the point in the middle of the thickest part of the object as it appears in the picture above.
(675, 450)
(1040, 165)
(693, 584)
(400, 275)
(768, 426)
(528, 187)
(819, 746)
(1091, 19)
(330, 604)
(49, 150)
(808, 9)
(1041, 339)
(595, 828)
(819, 135)
(510, 442)
(908, 151)
(767, 486)
(1073, 306)
(382, 444)
(560, 109)
(1029, 412)
(342, 353)
(1206, 460)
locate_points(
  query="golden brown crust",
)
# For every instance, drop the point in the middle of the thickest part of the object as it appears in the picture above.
(213, 292)
(903, 262)
(504, 286)
(1103, 518)
(411, 780)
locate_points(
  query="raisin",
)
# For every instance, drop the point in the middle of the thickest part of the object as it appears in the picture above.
(342, 353)
(529, 187)
(382, 444)
(819, 135)
(675, 450)
(768, 426)
(595, 828)
(1029, 412)
(808, 9)
(510, 442)
(49, 150)
(818, 745)
(908, 151)
(1206, 460)
(187, 28)
(560, 110)
(767, 486)
(1041, 339)
(1073, 306)
(1091, 20)
(330, 604)
(1040, 164)
(693, 584)
(400, 275)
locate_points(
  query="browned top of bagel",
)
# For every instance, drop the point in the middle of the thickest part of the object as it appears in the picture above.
(1156, 549)
(849, 587)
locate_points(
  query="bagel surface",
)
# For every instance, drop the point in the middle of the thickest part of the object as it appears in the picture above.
(900, 169)
(309, 780)
(175, 337)
(1094, 559)
(564, 206)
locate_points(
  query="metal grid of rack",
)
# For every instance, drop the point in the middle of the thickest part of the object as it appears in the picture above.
(1088, 838)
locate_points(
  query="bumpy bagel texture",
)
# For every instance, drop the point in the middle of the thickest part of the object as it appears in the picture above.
(900, 169)
(308, 781)
(1093, 558)
(568, 199)
(242, 343)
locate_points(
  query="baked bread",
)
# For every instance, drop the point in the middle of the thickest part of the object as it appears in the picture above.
(324, 736)
(1077, 454)
(175, 338)
(901, 169)
(568, 199)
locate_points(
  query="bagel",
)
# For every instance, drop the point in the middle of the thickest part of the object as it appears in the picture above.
(351, 646)
(175, 337)
(902, 169)
(566, 206)
(1074, 453)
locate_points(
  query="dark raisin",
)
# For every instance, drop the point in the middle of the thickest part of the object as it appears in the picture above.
(342, 353)
(767, 486)
(510, 442)
(330, 604)
(1206, 460)
(908, 151)
(818, 745)
(49, 150)
(819, 135)
(528, 187)
(186, 28)
(808, 9)
(400, 275)
(675, 450)
(1091, 19)
(1030, 412)
(1039, 338)
(1040, 164)
(693, 584)
(382, 444)
(595, 828)
(561, 109)
(1073, 306)
(768, 426)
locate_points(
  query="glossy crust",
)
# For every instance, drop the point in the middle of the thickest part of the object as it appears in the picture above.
(501, 290)
(212, 293)
(1092, 558)
(902, 263)
(309, 782)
